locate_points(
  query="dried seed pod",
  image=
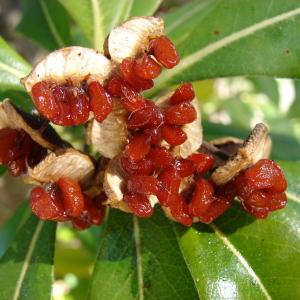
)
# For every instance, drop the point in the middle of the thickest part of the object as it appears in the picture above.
(36, 127)
(254, 148)
(68, 163)
(193, 130)
(132, 37)
(109, 137)
(72, 64)
(114, 186)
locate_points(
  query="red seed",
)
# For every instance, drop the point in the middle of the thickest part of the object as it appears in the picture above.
(93, 215)
(165, 52)
(80, 223)
(44, 99)
(142, 167)
(127, 72)
(72, 196)
(132, 100)
(79, 104)
(179, 211)
(180, 114)
(155, 135)
(45, 207)
(101, 102)
(170, 179)
(184, 93)
(146, 67)
(160, 157)
(202, 162)
(202, 198)
(17, 167)
(173, 135)
(138, 148)
(114, 86)
(266, 174)
(142, 184)
(140, 118)
(139, 204)
(216, 209)
(184, 167)
(7, 138)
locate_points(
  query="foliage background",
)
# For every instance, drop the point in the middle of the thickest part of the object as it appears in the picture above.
(235, 258)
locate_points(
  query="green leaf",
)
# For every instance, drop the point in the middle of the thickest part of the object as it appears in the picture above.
(225, 38)
(140, 258)
(12, 67)
(27, 266)
(294, 111)
(45, 22)
(238, 257)
(12, 226)
(96, 18)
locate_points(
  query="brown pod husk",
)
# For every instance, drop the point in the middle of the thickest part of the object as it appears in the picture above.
(62, 163)
(73, 64)
(109, 137)
(255, 147)
(36, 127)
(132, 37)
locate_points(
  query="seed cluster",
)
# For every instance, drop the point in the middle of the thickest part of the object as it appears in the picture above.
(150, 166)
(64, 201)
(18, 150)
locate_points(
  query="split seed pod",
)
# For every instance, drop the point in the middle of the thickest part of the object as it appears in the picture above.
(132, 37)
(72, 64)
(255, 147)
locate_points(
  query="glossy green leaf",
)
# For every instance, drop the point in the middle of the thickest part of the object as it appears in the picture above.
(140, 259)
(45, 22)
(27, 266)
(12, 67)
(225, 38)
(96, 18)
(239, 257)
(294, 111)
(12, 226)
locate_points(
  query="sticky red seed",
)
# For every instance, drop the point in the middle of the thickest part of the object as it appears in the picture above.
(173, 135)
(216, 209)
(202, 198)
(101, 102)
(184, 167)
(146, 67)
(155, 135)
(140, 118)
(160, 157)
(44, 99)
(114, 86)
(94, 215)
(179, 211)
(72, 196)
(17, 167)
(142, 167)
(184, 93)
(202, 162)
(45, 207)
(138, 148)
(180, 114)
(132, 100)
(164, 51)
(139, 204)
(142, 184)
(170, 179)
(266, 174)
(127, 72)
(7, 137)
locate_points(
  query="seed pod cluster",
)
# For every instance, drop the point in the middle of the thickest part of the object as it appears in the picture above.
(153, 153)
